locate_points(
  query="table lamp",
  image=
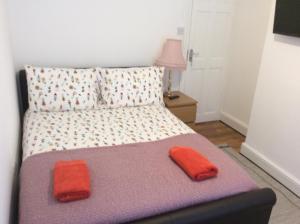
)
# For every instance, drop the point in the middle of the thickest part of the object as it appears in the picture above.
(172, 59)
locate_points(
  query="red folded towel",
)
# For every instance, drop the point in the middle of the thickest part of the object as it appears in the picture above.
(193, 163)
(71, 181)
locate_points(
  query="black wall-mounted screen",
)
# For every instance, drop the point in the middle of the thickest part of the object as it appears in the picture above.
(287, 17)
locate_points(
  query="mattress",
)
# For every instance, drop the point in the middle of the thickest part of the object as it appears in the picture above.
(56, 131)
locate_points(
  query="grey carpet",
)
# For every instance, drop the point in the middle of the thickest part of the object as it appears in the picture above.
(287, 208)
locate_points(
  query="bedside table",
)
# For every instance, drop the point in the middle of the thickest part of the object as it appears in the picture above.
(183, 107)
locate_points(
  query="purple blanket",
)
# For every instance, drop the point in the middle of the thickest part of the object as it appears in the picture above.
(128, 182)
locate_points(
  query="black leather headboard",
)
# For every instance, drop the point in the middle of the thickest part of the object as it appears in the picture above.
(23, 91)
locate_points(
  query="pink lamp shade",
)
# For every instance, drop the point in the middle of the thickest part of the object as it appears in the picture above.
(171, 56)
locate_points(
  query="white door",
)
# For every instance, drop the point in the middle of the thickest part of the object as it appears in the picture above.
(208, 44)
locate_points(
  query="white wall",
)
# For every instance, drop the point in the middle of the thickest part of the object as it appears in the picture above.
(92, 32)
(249, 28)
(274, 129)
(9, 121)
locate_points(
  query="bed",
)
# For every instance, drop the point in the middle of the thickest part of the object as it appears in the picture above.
(53, 134)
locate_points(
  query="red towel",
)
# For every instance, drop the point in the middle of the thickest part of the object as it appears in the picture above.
(193, 163)
(71, 180)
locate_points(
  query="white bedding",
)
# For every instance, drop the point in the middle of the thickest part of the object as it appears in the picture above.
(51, 131)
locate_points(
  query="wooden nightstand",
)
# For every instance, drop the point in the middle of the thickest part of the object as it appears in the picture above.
(183, 107)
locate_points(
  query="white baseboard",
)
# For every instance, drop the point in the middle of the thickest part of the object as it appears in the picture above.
(207, 117)
(234, 123)
(284, 177)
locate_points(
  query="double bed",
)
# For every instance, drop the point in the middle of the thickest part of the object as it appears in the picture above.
(133, 180)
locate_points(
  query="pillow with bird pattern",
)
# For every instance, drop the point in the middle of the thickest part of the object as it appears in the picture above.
(125, 87)
(61, 89)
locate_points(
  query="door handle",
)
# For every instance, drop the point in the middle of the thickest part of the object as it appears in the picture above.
(191, 54)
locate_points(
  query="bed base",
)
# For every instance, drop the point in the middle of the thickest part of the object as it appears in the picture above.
(247, 208)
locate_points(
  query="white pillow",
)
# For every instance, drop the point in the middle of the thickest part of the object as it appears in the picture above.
(61, 89)
(121, 87)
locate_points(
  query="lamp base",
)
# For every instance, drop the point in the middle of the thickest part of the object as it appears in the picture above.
(170, 95)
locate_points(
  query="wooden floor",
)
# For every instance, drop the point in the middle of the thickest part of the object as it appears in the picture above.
(219, 133)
